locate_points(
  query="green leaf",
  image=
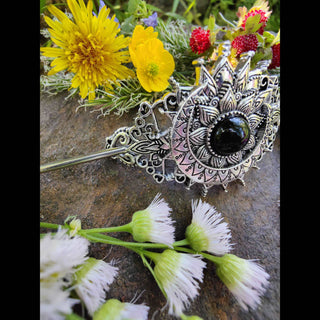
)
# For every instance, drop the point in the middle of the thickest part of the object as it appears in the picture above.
(175, 6)
(252, 24)
(132, 5)
(190, 7)
(260, 39)
(176, 16)
(153, 8)
(42, 5)
(276, 39)
(261, 54)
(211, 23)
(128, 24)
(268, 38)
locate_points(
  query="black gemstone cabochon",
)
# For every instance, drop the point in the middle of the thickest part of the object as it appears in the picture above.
(230, 135)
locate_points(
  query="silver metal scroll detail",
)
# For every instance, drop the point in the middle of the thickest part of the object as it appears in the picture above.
(182, 151)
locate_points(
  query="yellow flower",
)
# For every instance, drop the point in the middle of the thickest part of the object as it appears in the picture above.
(154, 65)
(139, 36)
(89, 47)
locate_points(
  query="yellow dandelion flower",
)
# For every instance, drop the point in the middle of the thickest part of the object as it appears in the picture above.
(88, 46)
(139, 36)
(154, 65)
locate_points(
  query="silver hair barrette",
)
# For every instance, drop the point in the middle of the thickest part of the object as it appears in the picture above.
(217, 130)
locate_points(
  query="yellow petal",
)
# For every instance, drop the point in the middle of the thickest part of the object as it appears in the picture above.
(159, 84)
(144, 80)
(51, 52)
(83, 89)
(58, 13)
(168, 65)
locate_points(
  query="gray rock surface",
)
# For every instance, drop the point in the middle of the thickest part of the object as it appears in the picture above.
(106, 193)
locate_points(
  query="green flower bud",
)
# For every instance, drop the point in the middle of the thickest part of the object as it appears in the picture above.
(141, 226)
(115, 310)
(110, 310)
(197, 238)
(244, 278)
(154, 223)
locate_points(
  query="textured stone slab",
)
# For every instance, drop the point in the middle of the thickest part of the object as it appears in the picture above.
(106, 193)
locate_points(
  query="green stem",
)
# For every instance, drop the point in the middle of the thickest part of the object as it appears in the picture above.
(124, 228)
(147, 264)
(97, 237)
(181, 243)
(214, 259)
(49, 225)
(227, 21)
(186, 250)
(154, 256)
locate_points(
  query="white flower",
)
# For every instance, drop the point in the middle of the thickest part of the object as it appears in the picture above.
(92, 281)
(60, 253)
(244, 278)
(115, 310)
(178, 274)
(206, 231)
(154, 224)
(54, 302)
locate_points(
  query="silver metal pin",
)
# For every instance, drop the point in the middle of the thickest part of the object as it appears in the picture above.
(82, 159)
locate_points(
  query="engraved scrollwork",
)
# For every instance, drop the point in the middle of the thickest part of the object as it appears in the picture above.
(194, 149)
(238, 103)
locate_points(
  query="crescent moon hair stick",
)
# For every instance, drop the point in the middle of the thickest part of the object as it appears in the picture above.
(219, 129)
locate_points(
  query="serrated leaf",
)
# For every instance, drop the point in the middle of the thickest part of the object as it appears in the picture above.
(211, 23)
(269, 37)
(252, 24)
(260, 38)
(276, 39)
(261, 54)
(212, 37)
(231, 34)
(257, 57)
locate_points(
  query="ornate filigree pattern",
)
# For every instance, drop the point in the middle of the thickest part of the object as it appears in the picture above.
(185, 151)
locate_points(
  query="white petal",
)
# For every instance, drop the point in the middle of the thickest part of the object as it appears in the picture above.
(60, 253)
(92, 287)
(217, 232)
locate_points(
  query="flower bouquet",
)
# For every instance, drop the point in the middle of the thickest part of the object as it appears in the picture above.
(115, 65)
